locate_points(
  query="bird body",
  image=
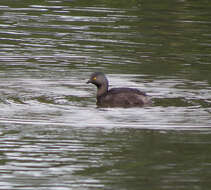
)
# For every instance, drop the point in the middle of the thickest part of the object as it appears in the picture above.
(117, 97)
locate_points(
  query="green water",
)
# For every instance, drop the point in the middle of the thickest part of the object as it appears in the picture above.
(52, 134)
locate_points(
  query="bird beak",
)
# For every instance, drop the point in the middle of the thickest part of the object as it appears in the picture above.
(89, 81)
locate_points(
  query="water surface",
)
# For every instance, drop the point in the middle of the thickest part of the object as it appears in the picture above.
(52, 134)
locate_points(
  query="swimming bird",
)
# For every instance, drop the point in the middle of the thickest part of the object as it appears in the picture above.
(117, 97)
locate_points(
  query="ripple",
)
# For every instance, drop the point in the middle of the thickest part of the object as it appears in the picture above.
(52, 134)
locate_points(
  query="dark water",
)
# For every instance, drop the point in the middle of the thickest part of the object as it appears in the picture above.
(52, 134)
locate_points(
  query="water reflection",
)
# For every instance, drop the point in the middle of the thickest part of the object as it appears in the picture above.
(175, 103)
(52, 134)
(56, 157)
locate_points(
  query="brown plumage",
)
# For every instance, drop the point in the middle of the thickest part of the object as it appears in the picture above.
(117, 97)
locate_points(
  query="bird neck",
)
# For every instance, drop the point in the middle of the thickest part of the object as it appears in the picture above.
(102, 89)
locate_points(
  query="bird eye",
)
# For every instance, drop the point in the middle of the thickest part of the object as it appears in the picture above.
(94, 78)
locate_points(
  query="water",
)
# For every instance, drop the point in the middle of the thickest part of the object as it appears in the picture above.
(52, 134)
